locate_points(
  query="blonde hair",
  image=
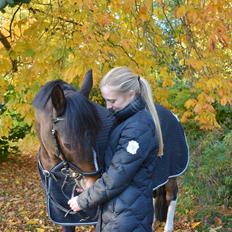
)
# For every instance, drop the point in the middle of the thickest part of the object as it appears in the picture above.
(121, 79)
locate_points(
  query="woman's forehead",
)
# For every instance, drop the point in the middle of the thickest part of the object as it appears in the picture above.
(109, 93)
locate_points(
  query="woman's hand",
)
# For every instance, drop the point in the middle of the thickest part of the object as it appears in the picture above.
(73, 204)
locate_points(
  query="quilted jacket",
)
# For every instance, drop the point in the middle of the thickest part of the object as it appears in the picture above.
(125, 189)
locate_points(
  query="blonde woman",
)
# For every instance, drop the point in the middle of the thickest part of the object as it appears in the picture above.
(124, 192)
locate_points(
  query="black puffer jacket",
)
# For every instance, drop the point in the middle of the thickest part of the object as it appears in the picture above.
(125, 189)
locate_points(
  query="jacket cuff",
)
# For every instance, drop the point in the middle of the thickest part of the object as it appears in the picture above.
(82, 204)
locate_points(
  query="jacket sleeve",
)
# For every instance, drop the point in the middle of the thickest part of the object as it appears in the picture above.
(134, 145)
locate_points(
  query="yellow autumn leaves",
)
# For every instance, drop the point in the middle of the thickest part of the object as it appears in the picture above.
(170, 45)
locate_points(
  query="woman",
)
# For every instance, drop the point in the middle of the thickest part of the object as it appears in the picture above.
(125, 189)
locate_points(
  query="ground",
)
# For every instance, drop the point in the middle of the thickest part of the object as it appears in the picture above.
(22, 201)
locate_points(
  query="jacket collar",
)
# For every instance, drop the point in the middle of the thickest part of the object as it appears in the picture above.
(136, 105)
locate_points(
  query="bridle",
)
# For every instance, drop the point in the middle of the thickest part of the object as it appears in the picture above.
(77, 172)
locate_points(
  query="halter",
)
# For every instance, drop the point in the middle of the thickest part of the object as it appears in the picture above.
(78, 172)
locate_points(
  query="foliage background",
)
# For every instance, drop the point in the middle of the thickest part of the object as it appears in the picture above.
(183, 48)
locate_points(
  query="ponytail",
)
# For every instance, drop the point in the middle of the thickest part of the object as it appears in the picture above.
(147, 95)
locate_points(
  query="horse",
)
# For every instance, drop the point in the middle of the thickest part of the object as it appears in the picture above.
(73, 133)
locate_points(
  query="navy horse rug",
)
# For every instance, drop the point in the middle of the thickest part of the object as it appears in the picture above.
(175, 157)
(59, 188)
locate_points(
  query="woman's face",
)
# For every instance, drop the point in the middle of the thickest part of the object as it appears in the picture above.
(115, 100)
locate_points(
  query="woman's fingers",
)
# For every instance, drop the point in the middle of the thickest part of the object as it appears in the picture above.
(79, 190)
(73, 204)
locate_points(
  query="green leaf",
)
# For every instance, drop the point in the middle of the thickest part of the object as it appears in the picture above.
(29, 52)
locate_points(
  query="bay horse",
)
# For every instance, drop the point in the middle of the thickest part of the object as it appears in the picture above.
(73, 133)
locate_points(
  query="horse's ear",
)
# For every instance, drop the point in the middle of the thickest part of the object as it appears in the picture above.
(58, 100)
(87, 83)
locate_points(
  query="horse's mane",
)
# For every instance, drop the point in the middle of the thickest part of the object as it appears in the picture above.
(81, 117)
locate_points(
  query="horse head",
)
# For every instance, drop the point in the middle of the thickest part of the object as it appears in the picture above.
(67, 124)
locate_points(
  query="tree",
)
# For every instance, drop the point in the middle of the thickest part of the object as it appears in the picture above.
(182, 48)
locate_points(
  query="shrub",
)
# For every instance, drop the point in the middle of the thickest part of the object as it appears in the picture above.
(209, 176)
(18, 131)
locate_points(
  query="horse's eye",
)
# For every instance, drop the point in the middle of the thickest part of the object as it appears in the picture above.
(67, 145)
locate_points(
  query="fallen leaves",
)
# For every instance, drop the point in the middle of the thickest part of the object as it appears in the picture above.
(195, 224)
(22, 201)
(23, 208)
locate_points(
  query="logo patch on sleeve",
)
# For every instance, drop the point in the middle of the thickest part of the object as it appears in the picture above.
(132, 147)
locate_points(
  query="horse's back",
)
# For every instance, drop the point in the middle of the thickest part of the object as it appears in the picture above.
(103, 135)
(176, 153)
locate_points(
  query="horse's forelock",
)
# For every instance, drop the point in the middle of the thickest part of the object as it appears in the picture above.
(82, 120)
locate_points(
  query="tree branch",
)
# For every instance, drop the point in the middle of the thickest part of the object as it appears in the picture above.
(8, 47)
(34, 11)
(13, 17)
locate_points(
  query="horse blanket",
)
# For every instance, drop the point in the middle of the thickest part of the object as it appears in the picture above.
(175, 157)
(58, 190)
